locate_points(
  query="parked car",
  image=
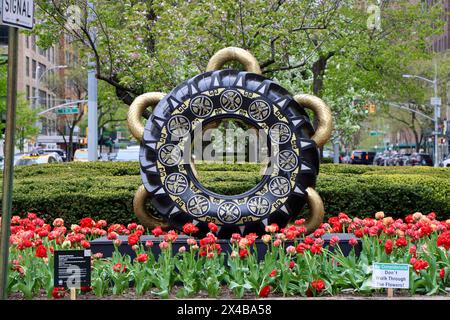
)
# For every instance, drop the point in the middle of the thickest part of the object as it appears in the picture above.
(36, 158)
(60, 152)
(362, 157)
(446, 163)
(129, 154)
(112, 156)
(81, 155)
(399, 159)
(380, 159)
(420, 159)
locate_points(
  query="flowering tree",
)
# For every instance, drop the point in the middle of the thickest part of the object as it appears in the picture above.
(329, 48)
(25, 116)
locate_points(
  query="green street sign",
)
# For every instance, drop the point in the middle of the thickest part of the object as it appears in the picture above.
(376, 133)
(68, 110)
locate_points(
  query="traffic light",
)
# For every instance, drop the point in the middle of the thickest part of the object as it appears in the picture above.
(366, 109)
(370, 108)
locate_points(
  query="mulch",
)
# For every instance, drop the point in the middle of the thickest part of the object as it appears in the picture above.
(227, 294)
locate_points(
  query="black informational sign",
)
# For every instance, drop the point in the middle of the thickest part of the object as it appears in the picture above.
(72, 268)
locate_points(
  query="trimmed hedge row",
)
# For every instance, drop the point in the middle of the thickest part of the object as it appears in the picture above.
(105, 190)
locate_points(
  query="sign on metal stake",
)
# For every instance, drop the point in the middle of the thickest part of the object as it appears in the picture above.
(16, 14)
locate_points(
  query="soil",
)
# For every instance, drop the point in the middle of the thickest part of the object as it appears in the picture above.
(227, 294)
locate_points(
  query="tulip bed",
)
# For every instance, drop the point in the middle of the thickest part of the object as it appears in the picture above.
(306, 268)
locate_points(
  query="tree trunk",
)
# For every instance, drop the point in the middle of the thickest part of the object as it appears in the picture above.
(318, 69)
(336, 151)
(415, 131)
(70, 145)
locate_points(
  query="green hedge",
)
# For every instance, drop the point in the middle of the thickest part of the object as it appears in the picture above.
(105, 190)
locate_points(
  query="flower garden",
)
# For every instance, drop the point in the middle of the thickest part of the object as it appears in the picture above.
(199, 268)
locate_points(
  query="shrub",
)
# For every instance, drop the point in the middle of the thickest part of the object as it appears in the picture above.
(327, 160)
(105, 190)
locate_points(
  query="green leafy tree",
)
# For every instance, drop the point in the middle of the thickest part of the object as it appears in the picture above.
(26, 118)
(328, 48)
(75, 76)
(112, 113)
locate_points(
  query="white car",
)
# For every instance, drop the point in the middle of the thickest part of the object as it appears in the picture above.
(446, 163)
(34, 158)
(129, 154)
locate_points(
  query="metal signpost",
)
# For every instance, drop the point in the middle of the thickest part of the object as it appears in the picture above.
(92, 100)
(16, 16)
(92, 114)
(436, 104)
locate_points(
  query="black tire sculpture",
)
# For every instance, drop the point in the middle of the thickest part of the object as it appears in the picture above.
(169, 176)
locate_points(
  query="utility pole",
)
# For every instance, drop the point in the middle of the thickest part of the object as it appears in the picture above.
(336, 151)
(437, 105)
(92, 99)
(447, 123)
(15, 19)
(13, 40)
(92, 114)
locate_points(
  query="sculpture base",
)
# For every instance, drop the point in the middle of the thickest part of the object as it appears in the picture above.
(106, 247)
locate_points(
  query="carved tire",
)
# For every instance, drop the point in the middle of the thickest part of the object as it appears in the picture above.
(176, 193)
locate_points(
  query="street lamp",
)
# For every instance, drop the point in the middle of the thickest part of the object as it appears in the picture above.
(38, 82)
(435, 101)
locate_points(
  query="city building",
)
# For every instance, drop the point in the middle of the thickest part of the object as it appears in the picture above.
(42, 80)
(441, 43)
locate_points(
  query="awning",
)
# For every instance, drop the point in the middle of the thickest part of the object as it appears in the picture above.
(54, 139)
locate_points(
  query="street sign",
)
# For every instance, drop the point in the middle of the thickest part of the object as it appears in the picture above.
(18, 13)
(436, 101)
(390, 275)
(376, 133)
(72, 268)
(68, 110)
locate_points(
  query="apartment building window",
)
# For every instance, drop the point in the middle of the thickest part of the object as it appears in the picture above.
(33, 97)
(42, 98)
(27, 67)
(75, 57)
(28, 92)
(68, 58)
(44, 126)
(27, 41)
(33, 42)
(41, 52)
(33, 68)
(42, 69)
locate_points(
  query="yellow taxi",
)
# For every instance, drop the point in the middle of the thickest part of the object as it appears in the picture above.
(81, 155)
(36, 158)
